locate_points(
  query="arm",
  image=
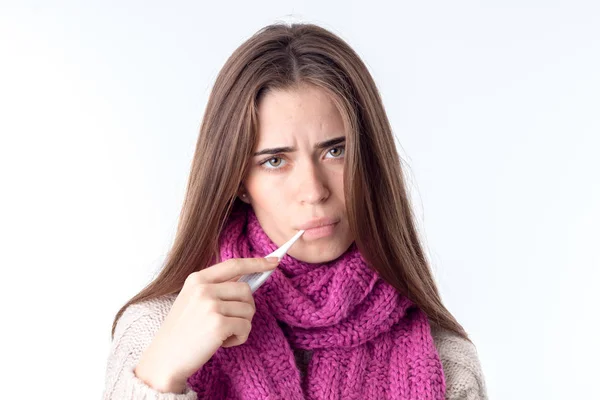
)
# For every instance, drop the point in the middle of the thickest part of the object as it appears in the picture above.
(462, 368)
(134, 332)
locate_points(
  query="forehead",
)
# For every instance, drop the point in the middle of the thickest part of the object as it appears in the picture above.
(307, 111)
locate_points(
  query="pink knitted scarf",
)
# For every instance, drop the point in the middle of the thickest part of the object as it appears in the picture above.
(368, 342)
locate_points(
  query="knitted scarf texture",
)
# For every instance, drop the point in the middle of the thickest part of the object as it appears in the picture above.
(367, 340)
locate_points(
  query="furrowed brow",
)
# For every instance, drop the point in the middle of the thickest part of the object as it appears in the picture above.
(318, 146)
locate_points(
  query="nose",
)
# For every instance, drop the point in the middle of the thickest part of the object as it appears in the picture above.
(313, 185)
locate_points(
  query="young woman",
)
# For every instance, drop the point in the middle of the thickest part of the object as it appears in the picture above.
(294, 137)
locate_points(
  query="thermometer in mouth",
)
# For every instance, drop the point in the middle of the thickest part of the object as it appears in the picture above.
(256, 279)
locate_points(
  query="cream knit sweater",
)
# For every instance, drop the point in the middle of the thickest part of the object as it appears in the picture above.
(140, 322)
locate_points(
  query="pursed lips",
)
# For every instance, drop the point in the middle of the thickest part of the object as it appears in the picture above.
(317, 223)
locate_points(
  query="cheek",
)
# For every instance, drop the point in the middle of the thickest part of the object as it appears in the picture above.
(337, 181)
(265, 193)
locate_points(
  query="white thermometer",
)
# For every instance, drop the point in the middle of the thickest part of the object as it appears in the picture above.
(256, 279)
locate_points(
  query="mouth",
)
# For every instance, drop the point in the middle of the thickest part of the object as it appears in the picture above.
(319, 232)
(317, 223)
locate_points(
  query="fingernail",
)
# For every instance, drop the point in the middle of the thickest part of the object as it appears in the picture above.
(273, 260)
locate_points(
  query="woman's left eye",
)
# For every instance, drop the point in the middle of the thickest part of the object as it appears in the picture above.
(340, 148)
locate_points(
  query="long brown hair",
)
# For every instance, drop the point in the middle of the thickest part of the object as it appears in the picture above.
(281, 57)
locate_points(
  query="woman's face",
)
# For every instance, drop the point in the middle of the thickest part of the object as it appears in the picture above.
(296, 176)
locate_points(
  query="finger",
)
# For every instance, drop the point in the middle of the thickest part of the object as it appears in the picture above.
(238, 309)
(234, 279)
(238, 328)
(234, 267)
(233, 341)
(234, 291)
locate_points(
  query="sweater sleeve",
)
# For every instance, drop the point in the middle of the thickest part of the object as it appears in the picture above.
(462, 368)
(133, 334)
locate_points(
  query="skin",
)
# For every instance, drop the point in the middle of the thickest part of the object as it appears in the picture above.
(286, 191)
(292, 188)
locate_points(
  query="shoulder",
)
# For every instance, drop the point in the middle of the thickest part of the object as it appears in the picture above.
(144, 317)
(134, 332)
(138, 325)
(462, 368)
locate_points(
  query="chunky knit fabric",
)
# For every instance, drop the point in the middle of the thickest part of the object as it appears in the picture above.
(367, 341)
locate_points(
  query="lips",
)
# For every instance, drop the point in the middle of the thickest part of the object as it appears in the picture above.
(317, 223)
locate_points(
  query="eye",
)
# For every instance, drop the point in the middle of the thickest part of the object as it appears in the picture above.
(270, 166)
(337, 154)
(270, 163)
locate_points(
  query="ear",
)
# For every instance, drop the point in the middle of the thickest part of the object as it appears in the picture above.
(243, 195)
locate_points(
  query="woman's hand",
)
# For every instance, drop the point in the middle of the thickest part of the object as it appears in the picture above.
(212, 310)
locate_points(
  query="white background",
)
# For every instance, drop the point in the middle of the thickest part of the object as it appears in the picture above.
(496, 105)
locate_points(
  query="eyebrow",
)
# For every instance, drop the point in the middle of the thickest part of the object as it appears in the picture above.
(318, 146)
